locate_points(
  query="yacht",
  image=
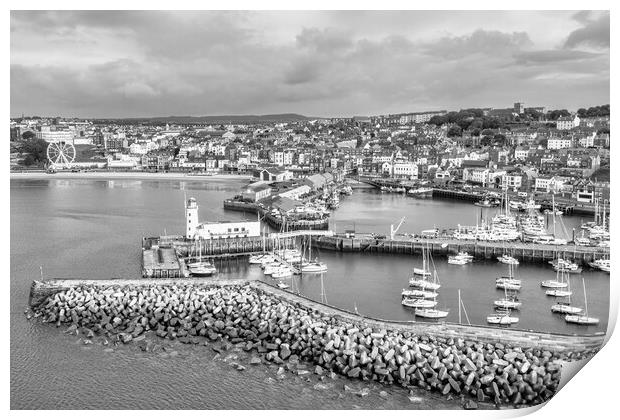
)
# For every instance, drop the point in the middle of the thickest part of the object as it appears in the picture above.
(507, 303)
(282, 272)
(418, 303)
(601, 264)
(201, 269)
(461, 258)
(313, 267)
(430, 313)
(502, 318)
(426, 294)
(262, 259)
(582, 319)
(507, 259)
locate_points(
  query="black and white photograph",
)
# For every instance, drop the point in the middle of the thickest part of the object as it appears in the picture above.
(308, 209)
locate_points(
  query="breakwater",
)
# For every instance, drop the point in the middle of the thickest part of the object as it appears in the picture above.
(503, 366)
(448, 246)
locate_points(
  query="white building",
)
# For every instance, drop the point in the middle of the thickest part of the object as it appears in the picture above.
(51, 135)
(552, 184)
(512, 181)
(477, 175)
(521, 153)
(216, 230)
(567, 123)
(554, 144)
(407, 170)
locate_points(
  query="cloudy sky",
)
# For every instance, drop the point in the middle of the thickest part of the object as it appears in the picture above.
(133, 64)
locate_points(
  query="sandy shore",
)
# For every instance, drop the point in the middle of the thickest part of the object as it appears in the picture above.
(125, 175)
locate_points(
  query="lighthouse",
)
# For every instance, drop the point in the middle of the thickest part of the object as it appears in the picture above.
(191, 218)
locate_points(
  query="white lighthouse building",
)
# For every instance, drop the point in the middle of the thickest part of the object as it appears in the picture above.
(194, 230)
(191, 218)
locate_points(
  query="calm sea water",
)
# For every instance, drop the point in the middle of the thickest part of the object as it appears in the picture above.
(93, 229)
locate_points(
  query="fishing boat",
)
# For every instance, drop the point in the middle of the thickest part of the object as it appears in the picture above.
(422, 192)
(507, 259)
(426, 294)
(502, 317)
(418, 303)
(582, 319)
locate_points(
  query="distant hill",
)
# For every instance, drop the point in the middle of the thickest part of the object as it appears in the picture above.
(211, 119)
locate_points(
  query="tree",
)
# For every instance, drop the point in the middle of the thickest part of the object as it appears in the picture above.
(37, 148)
(28, 135)
(455, 131)
(28, 160)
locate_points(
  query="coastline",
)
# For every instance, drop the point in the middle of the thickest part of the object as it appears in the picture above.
(125, 175)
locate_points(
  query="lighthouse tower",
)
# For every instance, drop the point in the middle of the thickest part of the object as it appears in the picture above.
(191, 218)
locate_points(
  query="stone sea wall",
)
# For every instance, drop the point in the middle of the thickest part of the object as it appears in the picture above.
(280, 326)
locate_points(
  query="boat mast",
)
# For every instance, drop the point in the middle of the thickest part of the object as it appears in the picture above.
(459, 306)
(585, 298)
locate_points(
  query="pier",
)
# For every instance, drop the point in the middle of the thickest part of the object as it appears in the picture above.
(447, 246)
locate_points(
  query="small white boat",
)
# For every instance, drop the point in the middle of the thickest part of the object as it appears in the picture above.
(430, 313)
(313, 267)
(421, 272)
(262, 259)
(282, 285)
(202, 269)
(418, 303)
(507, 286)
(553, 284)
(282, 272)
(558, 293)
(427, 294)
(601, 264)
(566, 308)
(582, 319)
(502, 318)
(507, 259)
(509, 279)
(273, 267)
(423, 284)
(457, 261)
(507, 303)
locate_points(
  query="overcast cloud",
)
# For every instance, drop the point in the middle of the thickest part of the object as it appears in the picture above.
(133, 64)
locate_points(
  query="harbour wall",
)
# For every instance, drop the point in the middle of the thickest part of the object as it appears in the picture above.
(507, 367)
(448, 246)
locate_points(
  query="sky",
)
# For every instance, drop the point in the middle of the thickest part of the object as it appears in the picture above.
(110, 64)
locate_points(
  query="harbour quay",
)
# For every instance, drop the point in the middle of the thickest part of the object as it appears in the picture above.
(507, 367)
(372, 243)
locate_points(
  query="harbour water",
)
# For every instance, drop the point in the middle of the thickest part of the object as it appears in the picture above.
(93, 228)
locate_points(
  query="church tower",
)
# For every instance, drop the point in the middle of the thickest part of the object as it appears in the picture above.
(191, 218)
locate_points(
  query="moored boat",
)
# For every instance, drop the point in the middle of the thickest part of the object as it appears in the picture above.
(427, 294)
(507, 259)
(418, 303)
(430, 313)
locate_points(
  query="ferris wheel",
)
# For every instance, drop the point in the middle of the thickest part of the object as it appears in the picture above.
(60, 154)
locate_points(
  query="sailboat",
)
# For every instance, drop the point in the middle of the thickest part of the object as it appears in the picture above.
(508, 282)
(312, 266)
(508, 302)
(502, 317)
(582, 319)
(423, 272)
(201, 268)
(426, 294)
(557, 291)
(425, 312)
(565, 307)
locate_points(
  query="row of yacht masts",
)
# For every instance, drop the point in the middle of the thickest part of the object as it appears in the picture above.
(504, 306)
(560, 288)
(422, 296)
